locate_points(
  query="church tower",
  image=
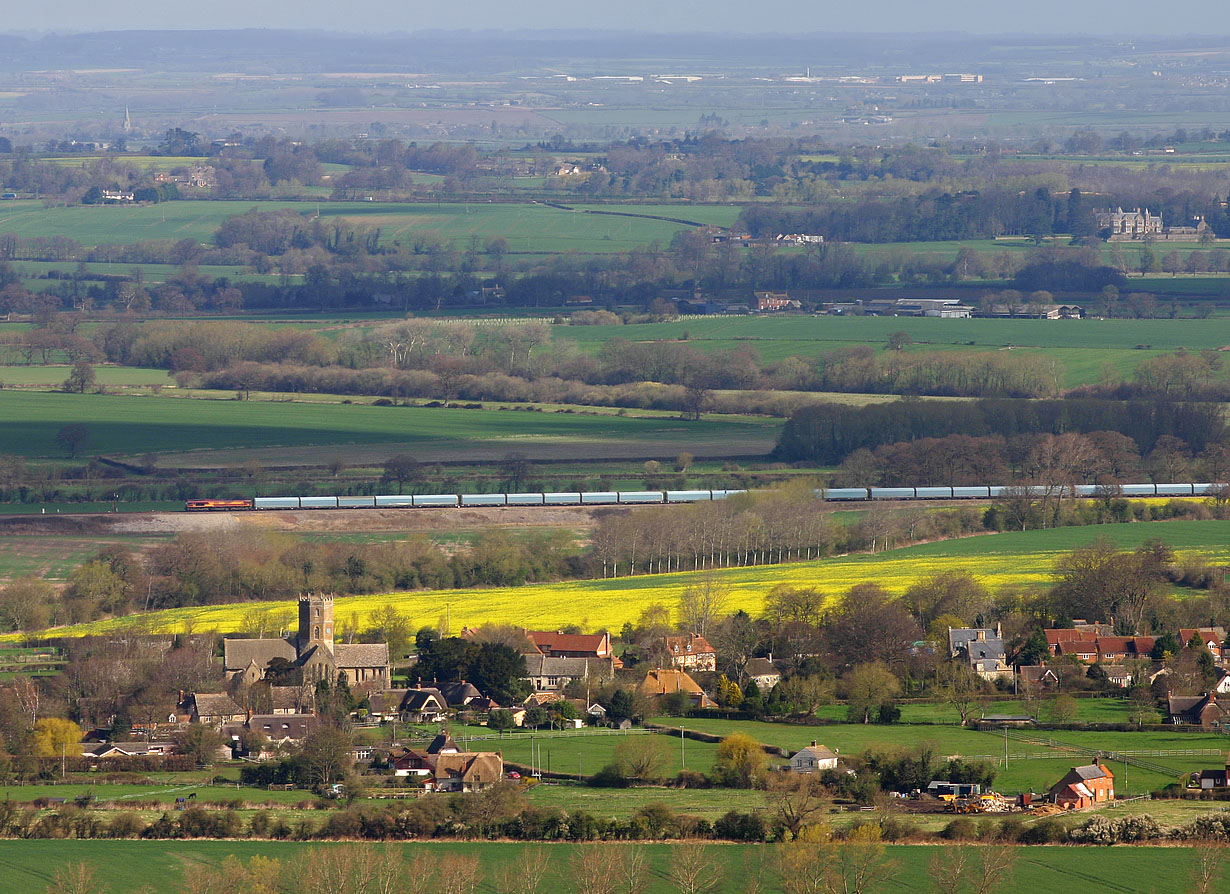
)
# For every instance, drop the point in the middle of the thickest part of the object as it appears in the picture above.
(127, 121)
(315, 622)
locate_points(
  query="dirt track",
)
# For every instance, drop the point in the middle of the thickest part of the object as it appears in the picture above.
(304, 521)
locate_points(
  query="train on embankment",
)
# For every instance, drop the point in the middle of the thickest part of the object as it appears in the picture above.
(652, 497)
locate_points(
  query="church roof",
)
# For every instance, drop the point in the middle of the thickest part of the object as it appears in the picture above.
(239, 653)
(361, 654)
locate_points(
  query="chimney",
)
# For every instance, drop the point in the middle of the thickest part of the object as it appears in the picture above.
(813, 743)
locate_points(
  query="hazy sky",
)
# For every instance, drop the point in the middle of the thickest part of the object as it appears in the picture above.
(784, 16)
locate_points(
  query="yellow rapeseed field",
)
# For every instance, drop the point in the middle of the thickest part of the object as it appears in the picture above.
(998, 560)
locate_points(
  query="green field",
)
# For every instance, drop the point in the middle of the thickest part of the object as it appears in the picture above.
(1030, 767)
(105, 375)
(1083, 347)
(1016, 559)
(138, 425)
(583, 751)
(131, 866)
(527, 227)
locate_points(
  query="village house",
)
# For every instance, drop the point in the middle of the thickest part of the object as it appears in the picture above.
(1038, 676)
(213, 709)
(1214, 638)
(282, 728)
(1197, 710)
(662, 682)
(761, 671)
(1083, 787)
(1117, 675)
(691, 652)
(551, 674)
(129, 749)
(312, 649)
(813, 759)
(982, 649)
(1119, 648)
(557, 644)
(1222, 686)
(442, 767)
(1083, 644)
(422, 705)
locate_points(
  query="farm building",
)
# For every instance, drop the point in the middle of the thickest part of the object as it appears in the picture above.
(1083, 787)
(1219, 778)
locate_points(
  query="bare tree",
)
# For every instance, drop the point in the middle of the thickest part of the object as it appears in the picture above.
(703, 603)
(633, 869)
(692, 868)
(793, 799)
(962, 688)
(527, 873)
(995, 865)
(595, 869)
(642, 757)
(948, 869)
(1210, 856)
(75, 878)
(458, 874)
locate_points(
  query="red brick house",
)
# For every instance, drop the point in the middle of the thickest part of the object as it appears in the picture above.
(1083, 787)
(1214, 639)
(1118, 648)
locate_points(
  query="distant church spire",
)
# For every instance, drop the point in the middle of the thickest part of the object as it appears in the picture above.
(127, 121)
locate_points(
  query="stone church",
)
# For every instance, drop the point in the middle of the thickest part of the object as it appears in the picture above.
(366, 665)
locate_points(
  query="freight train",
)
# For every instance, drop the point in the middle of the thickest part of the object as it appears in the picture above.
(649, 497)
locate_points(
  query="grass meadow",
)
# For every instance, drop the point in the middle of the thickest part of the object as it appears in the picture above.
(1085, 348)
(1011, 559)
(132, 866)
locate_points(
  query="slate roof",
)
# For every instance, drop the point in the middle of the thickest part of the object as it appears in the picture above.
(1093, 771)
(291, 698)
(440, 742)
(361, 654)
(215, 704)
(576, 668)
(239, 653)
(976, 642)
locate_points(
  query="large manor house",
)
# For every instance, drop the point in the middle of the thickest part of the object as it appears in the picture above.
(1126, 226)
(312, 649)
